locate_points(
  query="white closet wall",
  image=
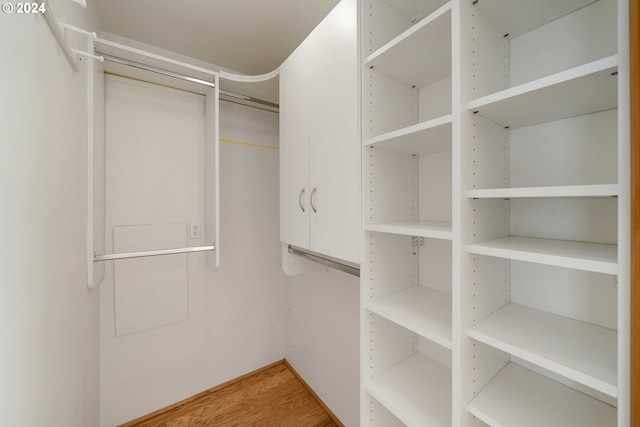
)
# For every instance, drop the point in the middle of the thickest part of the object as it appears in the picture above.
(322, 329)
(235, 316)
(49, 347)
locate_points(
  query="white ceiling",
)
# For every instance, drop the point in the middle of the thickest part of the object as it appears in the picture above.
(247, 36)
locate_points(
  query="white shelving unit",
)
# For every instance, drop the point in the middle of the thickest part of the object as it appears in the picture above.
(540, 213)
(494, 213)
(407, 167)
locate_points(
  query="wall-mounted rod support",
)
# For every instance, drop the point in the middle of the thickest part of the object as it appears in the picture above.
(88, 55)
(141, 254)
(79, 30)
(326, 261)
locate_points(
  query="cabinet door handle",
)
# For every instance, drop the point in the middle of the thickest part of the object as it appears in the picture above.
(313, 205)
(300, 197)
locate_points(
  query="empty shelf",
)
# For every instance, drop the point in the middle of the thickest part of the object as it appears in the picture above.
(582, 90)
(516, 17)
(430, 229)
(577, 350)
(417, 391)
(518, 397)
(566, 191)
(422, 310)
(421, 55)
(599, 258)
(428, 137)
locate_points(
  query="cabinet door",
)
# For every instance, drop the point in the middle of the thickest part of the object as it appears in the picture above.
(334, 158)
(294, 149)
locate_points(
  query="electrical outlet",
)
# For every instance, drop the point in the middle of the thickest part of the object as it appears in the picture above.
(195, 230)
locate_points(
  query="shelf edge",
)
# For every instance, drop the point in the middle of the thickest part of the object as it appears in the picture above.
(575, 263)
(375, 306)
(565, 191)
(408, 33)
(410, 231)
(544, 82)
(409, 130)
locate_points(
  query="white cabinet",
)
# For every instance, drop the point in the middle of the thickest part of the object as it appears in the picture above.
(294, 148)
(319, 139)
(495, 189)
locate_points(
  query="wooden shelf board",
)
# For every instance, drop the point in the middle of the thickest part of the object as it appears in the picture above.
(520, 397)
(586, 89)
(417, 391)
(422, 310)
(517, 17)
(577, 350)
(432, 136)
(421, 55)
(599, 258)
(430, 229)
(565, 191)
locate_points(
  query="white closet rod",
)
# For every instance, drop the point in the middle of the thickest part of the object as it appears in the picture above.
(179, 76)
(354, 271)
(141, 254)
(212, 135)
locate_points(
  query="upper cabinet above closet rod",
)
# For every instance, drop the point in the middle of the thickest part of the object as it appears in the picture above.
(319, 140)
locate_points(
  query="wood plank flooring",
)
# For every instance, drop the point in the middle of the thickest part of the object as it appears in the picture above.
(273, 396)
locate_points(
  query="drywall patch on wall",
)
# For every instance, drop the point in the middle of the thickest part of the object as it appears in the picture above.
(150, 291)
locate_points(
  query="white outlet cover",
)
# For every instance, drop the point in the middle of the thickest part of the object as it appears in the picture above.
(196, 230)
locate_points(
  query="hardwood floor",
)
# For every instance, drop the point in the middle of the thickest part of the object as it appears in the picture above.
(273, 396)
